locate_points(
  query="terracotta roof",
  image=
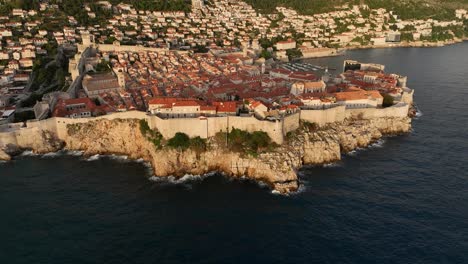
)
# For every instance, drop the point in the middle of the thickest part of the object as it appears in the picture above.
(357, 95)
(61, 109)
(100, 82)
(226, 107)
(185, 103)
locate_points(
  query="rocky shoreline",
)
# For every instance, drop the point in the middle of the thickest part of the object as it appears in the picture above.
(309, 145)
(415, 44)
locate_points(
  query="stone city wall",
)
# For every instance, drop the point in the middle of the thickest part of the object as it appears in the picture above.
(291, 123)
(123, 48)
(208, 127)
(398, 110)
(325, 116)
(407, 96)
(16, 134)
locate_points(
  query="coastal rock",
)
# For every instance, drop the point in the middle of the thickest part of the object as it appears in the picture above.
(326, 144)
(38, 141)
(124, 137)
(308, 146)
(4, 155)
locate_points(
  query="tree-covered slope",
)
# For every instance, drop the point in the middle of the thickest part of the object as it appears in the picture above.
(407, 9)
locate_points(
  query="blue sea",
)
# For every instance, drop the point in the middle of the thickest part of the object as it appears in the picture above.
(403, 200)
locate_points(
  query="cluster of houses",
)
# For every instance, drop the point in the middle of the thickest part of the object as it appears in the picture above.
(265, 94)
(232, 71)
(350, 25)
(235, 23)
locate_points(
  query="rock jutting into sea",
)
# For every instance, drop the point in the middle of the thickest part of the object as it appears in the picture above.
(309, 145)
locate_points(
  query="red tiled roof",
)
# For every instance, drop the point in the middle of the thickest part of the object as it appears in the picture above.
(226, 107)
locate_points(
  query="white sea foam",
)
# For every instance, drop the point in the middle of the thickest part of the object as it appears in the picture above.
(75, 153)
(94, 157)
(118, 157)
(28, 153)
(262, 184)
(187, 178)
(302, 188)
(332, 165)
(52, 154)
(378, 144)
(418, 114)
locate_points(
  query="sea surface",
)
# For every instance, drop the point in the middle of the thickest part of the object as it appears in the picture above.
(403, 200)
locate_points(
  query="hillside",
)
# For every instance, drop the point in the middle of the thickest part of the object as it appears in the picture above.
(407, 9)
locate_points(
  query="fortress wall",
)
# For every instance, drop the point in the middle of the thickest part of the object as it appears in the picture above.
(208, 127)
(46, 125)
(129, 48)
(291, 123)
(121, 48)
(273, 128)
(193, 127)
(25, 136)
(398, 110)
(58, 125)
(10, 127)
(7, 138)
(407, 96)
(319, 54)
(323, 117)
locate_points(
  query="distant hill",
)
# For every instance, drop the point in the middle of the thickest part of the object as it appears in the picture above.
(407, 9)
(76, 5)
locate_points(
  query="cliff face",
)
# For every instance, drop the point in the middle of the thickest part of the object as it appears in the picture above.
(4, 155)
(308, 145)
(38, 141)
(125, 137)
(327, 144)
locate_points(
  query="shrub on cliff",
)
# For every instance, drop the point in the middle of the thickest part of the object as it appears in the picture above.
(308, 126)
(154, 136)
(180, 141)
(247, 143)
(198, 144)
(144, 127)
(387, 100)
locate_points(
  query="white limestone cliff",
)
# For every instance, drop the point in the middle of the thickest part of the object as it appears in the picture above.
(309, 145)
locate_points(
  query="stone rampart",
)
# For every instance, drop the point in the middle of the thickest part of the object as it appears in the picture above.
(122, 48)
(325, 116)
(16, 134)
(208, 127)
(398, 110)
(291, 123)
(407, 96)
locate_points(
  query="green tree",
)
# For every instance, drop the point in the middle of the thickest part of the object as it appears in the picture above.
(266, 54)
(388, 100)
(294, 54)
(180, 141)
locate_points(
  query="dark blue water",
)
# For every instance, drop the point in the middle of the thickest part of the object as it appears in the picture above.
(403, 202)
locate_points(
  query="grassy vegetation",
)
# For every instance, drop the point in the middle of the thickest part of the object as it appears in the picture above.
(32, 99)
(388, 100)
(151, 135)
(24, 116)
(304, 7)
(244, 142)
(182, 141)
(103, 66)
(293, 54)
(407, 9)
